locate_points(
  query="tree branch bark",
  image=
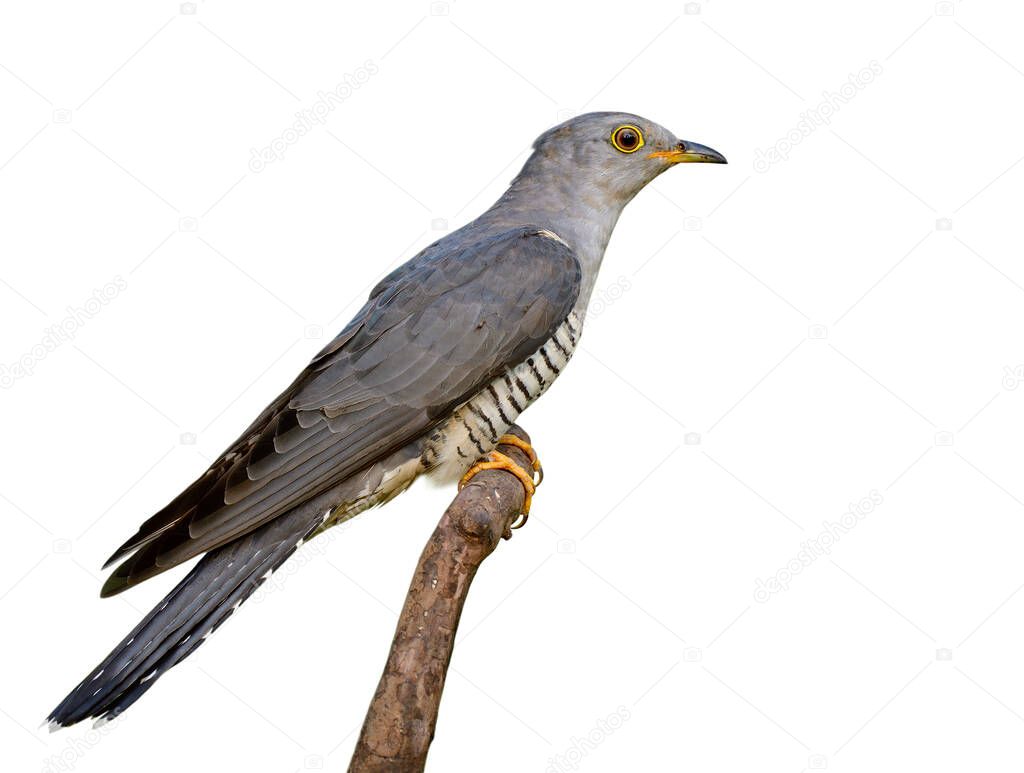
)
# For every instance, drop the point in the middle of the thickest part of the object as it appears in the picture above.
(399, 724)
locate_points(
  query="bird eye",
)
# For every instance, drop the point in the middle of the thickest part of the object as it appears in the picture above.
(627, 139)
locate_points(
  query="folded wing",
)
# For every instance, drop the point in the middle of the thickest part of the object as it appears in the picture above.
(432, 334)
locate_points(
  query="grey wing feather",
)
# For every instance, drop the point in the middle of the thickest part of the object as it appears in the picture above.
(432, 334)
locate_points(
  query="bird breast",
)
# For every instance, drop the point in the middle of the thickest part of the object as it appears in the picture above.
(474, 427)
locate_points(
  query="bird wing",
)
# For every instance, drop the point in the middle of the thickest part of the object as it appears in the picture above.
(431, 335)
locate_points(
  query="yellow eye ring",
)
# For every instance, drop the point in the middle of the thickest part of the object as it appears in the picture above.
(628, 139)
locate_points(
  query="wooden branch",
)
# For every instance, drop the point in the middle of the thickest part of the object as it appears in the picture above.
(400, 722)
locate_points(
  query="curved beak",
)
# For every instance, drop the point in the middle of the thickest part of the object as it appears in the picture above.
(690, 153)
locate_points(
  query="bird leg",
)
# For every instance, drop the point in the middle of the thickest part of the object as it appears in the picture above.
(499, 461)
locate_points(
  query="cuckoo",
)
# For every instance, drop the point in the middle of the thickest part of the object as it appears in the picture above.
(445, 354)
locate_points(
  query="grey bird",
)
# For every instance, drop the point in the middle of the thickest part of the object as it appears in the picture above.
(434, 369)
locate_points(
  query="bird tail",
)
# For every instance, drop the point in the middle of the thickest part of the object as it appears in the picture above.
(214, 589)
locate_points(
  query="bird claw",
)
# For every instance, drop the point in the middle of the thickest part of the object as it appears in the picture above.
(526, 448)
(499, 461)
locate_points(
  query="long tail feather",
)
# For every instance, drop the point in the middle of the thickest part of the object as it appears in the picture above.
(186, 617)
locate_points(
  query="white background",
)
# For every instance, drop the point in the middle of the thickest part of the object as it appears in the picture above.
(769, 346)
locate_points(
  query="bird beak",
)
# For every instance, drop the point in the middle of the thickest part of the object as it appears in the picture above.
(690, 153)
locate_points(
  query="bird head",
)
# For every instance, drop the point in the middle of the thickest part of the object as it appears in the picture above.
(615, 154)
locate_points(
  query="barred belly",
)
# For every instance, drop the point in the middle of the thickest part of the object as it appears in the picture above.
(475, 426)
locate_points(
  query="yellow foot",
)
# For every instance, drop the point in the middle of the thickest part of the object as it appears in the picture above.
(526, 448)
(499, 461)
